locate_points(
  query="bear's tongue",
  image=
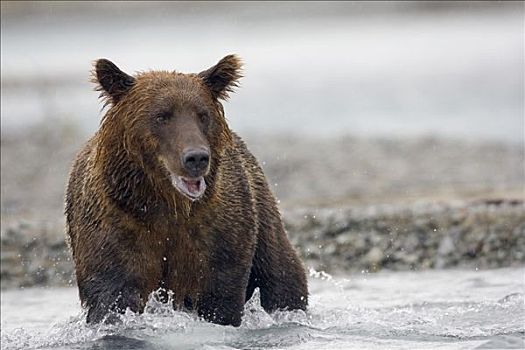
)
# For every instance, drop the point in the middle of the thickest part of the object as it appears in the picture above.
(193, 186)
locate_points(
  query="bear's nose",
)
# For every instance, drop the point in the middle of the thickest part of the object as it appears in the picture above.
(196, 161)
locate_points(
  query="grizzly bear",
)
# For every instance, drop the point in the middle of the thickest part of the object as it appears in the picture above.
(166, 197)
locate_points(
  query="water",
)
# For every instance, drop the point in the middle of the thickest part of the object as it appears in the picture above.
(396, 310)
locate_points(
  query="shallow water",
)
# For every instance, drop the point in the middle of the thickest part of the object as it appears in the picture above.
(396, 310)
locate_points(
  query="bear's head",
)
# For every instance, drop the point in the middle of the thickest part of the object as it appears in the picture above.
(169, 121)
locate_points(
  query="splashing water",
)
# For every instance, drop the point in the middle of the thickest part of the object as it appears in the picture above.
(434, 309)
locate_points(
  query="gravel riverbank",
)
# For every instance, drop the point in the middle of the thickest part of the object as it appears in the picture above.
(476, 235)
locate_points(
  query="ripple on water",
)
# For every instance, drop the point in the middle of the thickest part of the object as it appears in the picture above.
(338, 315)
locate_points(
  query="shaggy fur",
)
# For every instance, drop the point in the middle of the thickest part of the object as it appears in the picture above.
(131, 232)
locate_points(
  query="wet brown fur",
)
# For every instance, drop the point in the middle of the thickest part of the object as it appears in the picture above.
(131, 232)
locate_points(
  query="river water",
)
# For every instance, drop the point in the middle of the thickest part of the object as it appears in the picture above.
(447, 309)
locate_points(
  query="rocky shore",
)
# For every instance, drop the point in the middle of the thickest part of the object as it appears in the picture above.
(35, 254)
(474, 235)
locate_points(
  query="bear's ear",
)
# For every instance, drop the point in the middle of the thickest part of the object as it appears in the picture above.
(223, 77)
(112, 82)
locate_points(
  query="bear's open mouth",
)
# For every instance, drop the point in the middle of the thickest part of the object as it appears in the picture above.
(193, 188)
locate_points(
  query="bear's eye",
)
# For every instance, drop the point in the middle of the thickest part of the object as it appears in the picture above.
(204, 118)
(163, 117)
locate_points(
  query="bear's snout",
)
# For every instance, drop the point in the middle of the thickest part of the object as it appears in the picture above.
(196, 161)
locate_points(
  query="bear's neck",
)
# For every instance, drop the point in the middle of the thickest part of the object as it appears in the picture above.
(126, 184)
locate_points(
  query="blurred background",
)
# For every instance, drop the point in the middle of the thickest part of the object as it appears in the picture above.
(312, 68)
(345, 104)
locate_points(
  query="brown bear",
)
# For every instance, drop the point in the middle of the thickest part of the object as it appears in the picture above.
(165, 196)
